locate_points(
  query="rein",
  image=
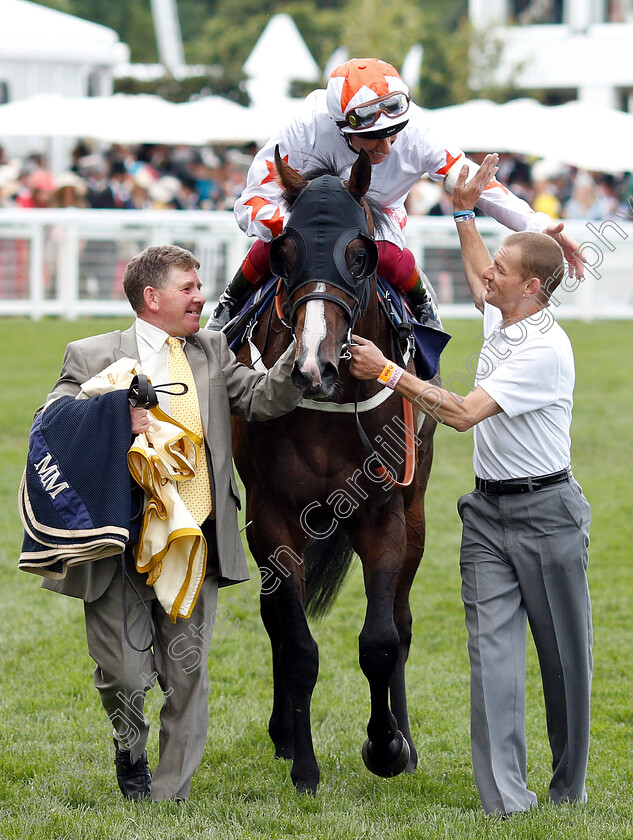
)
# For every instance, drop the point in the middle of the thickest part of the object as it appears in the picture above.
(409, 446)
(356, 407)
(315, 216)
(279, 306)
(323, 405)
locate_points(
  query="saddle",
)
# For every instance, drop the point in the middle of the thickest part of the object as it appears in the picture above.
(425, 344)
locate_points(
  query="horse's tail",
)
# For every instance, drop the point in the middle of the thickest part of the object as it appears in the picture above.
(327, 562)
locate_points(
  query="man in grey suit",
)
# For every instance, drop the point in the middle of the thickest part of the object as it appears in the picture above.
(163, 288)
(526, 525)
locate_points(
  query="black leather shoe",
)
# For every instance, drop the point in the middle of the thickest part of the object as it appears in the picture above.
(134, 779)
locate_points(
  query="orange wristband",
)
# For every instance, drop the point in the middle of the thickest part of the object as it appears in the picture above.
(390, 375)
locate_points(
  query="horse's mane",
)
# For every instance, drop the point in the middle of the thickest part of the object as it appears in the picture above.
(324, 165)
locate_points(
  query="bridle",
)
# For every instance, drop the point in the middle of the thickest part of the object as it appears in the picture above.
(315, 218)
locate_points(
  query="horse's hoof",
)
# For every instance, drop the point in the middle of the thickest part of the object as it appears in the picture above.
(306, 784)
(388, 761)
(306, 789)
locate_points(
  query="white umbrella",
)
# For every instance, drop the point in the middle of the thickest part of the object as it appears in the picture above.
(144, 118)
(119, 118)
(484, 126)
(214, 119)
(585, 136)
(594, 138)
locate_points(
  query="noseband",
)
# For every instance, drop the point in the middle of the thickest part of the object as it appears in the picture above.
(322, 208)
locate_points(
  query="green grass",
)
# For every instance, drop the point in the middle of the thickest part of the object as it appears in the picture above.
(56, 773)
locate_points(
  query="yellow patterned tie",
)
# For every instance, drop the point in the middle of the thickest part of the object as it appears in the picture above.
(195, 493)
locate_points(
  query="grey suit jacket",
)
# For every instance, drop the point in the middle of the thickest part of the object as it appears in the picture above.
(225, 387)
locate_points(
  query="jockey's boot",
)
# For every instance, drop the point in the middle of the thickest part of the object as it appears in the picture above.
(230, 301)
(422, 303)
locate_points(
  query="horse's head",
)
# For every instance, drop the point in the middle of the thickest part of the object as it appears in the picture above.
(326, 256)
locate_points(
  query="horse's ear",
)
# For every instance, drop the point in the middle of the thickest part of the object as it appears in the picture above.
(360, 176)
(287, 177)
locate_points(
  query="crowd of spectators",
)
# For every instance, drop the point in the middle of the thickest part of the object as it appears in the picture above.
(563, 192)
(130, 178)
(189, 178)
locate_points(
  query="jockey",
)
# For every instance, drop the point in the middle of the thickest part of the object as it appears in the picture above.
(366, 106)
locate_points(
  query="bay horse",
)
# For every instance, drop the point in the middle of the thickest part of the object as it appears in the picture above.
(313, 494)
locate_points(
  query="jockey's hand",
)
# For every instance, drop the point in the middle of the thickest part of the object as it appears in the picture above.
(466, 195)
(367, 360)
(570, 248)
(140, 420)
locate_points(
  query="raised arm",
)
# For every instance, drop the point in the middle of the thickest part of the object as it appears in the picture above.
(501, 204)
(475, 256)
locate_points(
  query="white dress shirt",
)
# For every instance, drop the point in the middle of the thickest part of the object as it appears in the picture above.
(154, 357)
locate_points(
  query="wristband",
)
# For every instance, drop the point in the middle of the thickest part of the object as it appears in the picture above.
(464, 215)
(391, 375)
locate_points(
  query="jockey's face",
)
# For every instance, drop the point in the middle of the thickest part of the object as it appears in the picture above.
(376, 149)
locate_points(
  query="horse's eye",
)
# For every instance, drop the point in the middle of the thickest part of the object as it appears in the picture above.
(288, 256)
(358, 265)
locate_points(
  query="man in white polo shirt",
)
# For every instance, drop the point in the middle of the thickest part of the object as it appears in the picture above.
(526, 525)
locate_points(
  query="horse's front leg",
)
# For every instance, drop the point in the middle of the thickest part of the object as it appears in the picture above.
(295, 653)
(280, 725)
(386, 751)
(403, 621)
(415, 531)
(299, 664)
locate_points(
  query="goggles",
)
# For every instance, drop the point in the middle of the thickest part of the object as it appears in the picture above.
(364, 116)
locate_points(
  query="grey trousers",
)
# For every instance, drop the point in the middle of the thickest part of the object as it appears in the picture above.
(178, 660)
(525, 556)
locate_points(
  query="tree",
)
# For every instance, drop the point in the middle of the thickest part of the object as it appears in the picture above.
(453, 52)
(220, 42)
(130, 19)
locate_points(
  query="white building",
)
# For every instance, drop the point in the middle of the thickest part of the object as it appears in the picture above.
(578, 48)
(45, 51)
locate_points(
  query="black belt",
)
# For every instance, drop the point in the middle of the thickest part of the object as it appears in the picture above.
(520, 485)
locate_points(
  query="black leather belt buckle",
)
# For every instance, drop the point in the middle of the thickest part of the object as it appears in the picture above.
(503, 487)
(552, 478)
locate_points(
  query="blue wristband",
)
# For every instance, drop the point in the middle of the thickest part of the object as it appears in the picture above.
(464, 215)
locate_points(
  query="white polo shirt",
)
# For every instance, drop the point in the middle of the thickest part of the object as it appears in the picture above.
(528, 369)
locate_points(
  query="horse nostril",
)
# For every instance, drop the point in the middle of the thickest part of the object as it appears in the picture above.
(329, 375)
(314, 379)
(298, 378)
